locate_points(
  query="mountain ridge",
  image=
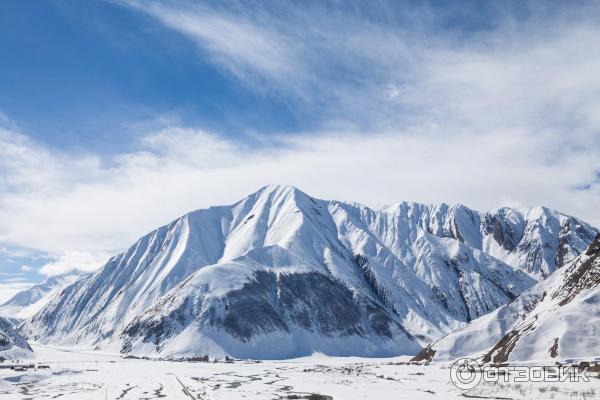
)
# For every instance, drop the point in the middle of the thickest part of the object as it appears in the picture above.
(427, 267)
(27, 302)
(554, 321)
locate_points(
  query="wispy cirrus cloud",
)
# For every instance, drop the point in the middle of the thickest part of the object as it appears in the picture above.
(255, 53)
(392, 65)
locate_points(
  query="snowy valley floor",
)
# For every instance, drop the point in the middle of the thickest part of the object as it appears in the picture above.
(77, 374)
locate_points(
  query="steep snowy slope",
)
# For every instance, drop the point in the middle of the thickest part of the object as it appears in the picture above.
(26, 303)
(307, 274)
(557, 319)
(12, 345)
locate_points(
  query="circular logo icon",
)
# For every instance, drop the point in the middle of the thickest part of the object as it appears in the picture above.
(465, 373)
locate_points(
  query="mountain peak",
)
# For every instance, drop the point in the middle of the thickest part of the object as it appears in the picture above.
(279, 190)
(276, 199)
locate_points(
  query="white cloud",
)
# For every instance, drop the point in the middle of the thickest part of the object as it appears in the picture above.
(103, 208)
(27, 268)
(245, 49)
(73, 262)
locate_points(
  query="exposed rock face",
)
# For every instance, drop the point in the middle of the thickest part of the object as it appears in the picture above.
(557, 319)
(269, 303)
(309, 275)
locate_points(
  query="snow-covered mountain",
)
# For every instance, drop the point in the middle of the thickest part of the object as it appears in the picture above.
(12, 344)
(557, 319)
(27, 302)
(281, 274)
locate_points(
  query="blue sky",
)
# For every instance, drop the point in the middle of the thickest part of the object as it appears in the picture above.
(71, 61)
(118, 116)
